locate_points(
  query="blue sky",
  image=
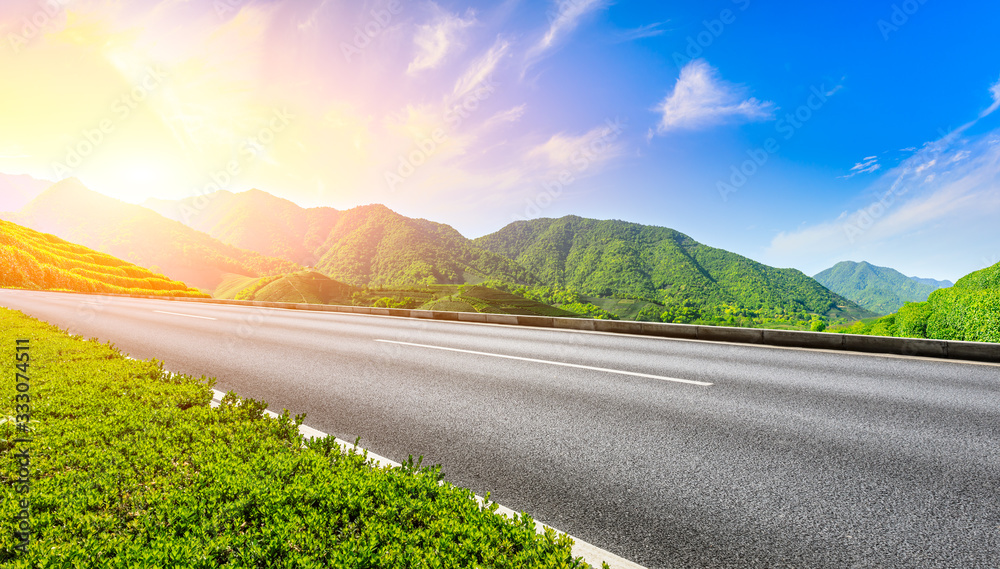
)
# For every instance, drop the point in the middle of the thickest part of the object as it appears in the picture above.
(867, 128)
(895, 89)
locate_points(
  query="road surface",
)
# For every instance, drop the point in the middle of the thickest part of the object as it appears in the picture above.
(669, 453)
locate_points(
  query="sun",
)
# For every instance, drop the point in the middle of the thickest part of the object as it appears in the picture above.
(137, 178)
(141, 173)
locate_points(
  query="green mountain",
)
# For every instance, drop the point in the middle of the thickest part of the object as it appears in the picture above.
(375, 246)
(879, 289)
(690, 281)
(256, 221)
(367, 245)
(141, 236)
(968, 311)
(38, 261)
(597, 268)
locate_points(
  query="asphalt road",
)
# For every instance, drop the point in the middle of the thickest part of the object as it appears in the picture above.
(790, 458)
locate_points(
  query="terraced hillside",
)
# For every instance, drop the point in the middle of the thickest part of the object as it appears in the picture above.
(38, 261)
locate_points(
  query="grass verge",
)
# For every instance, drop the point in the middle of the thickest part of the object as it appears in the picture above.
(131, 467)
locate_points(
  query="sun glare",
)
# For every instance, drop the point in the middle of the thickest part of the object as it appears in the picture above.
(143, 173)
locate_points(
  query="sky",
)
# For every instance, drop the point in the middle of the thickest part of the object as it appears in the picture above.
(798, 134)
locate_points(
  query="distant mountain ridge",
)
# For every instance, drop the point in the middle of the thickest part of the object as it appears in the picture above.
(615, 258)
(373, 245)
(141, 236)
(365, 245)
(17, 191)
(256, 221)
(675, 278)
(880, 289)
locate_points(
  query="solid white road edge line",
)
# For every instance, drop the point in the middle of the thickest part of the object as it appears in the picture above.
(185, 315)
(590, 553)
(563, 364)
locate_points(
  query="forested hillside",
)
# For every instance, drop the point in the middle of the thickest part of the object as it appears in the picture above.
(304, 287)
(606, 269)
(364, 246)
(375, 246)
(692, 282)
(38, 261)
(968, 311)
(879, 289)
(256, 221)
(142, 236)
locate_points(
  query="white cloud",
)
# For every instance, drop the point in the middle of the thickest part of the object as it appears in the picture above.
(509, 116)
(599, 145)
(564, 20)
(933, 212)
(642, 32)
(436, 40)
(702, 99)
(867, 166)
(995, 91)
(313, 18)
(480, 70)
(959, 156)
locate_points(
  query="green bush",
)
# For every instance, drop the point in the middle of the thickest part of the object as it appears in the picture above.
(969, 311)
(133, 468)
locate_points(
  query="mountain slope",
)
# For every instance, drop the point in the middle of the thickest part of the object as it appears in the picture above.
(692, 281)
(256, 221)
(879, 289)
(304, 287)
(968, 311)
(373, 245)
(17, 191)
(39, 261)
(141, 236)
(367, 245)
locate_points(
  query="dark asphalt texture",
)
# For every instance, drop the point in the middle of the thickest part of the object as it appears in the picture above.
(792, 458)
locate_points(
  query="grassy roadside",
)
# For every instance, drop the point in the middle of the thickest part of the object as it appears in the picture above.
(130, 467)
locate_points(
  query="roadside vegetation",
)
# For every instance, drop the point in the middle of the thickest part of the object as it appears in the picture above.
(131, 467)
(38, 261)
(311, 287)
(968, 311)
(637, 308)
